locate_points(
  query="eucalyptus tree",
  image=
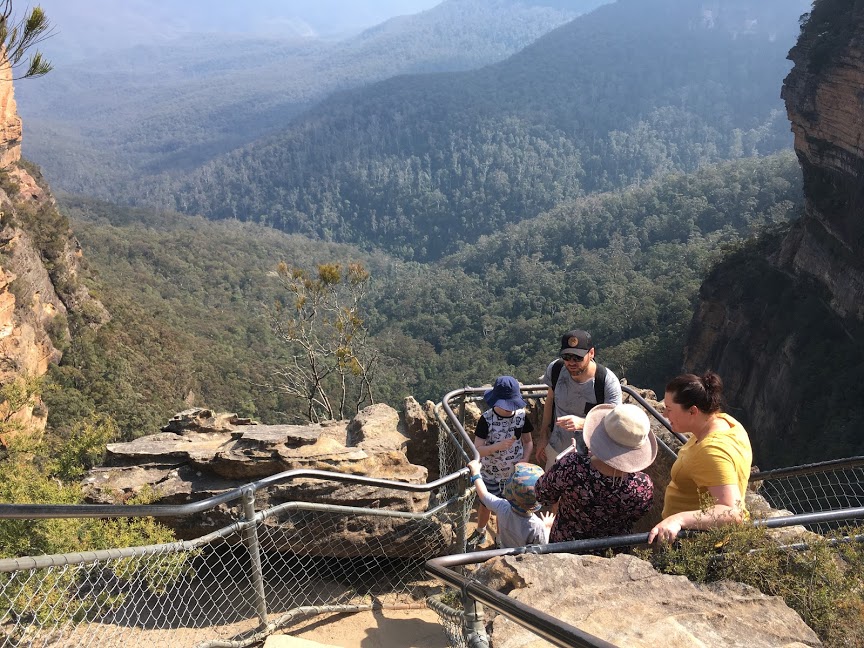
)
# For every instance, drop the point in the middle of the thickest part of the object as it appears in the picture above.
(19, 38)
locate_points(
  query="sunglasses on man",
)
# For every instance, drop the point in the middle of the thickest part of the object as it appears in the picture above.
(570, 357)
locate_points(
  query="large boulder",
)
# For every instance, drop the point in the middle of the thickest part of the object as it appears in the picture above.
(624, 601)
(420, 426)
(200, 454)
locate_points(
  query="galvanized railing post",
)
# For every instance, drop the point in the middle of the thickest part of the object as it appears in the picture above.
(474, 624)
(250, 536)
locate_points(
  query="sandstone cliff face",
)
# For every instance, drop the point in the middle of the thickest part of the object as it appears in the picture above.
(783, 321)
(38, 267)
(10, 122)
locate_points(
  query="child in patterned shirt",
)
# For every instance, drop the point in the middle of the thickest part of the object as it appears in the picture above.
(503, 439)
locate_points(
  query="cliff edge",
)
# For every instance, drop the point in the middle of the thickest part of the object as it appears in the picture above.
(39, 268)
(782, 320)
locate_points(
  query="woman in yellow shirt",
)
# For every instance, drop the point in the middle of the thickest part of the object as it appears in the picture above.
(709, 478)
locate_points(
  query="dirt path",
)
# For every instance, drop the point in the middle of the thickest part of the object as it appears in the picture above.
(378, 629)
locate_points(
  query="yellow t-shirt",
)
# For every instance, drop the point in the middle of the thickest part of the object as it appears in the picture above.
(720, 459)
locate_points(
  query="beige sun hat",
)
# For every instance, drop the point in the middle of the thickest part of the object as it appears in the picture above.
(620, 436)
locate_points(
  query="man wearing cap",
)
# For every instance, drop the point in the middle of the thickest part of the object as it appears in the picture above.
(576, 384)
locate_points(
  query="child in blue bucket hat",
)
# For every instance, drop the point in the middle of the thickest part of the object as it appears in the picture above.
(503, 439)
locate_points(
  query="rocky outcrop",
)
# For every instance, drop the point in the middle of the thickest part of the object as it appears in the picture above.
(39, 261)
(624, 601)
(823, 101)
(420, 426)
(200, 454)
(782, 321)
(10, 122)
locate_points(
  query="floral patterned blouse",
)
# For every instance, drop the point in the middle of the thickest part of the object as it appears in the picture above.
(592, 505)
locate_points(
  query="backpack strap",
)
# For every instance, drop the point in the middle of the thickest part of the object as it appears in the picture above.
(600, 384)
(557, 366)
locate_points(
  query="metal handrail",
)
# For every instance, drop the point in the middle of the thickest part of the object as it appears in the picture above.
(476, 394)
(653, 412)
(552, 629)
(41, 511)
(808, 469)
(539, 391)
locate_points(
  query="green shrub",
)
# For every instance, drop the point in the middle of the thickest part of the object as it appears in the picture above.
(84, 447)
(46, 597)
(8, 184)
(57, 329)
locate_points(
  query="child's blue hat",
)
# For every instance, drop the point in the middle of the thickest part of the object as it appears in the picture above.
(505, 394)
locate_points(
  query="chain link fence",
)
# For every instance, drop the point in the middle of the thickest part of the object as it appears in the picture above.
(265, 570)
(814, 488)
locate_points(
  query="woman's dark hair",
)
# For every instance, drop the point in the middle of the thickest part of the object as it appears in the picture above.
(705, 391)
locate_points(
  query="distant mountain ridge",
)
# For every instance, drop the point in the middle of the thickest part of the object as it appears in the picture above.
(175, 104)
(419, 164)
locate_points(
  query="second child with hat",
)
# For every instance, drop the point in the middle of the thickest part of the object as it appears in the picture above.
(516, 512)
(502, 439)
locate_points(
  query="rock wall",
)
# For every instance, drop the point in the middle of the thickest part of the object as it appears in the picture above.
(782, 321)
(33, 307)
(10, 122)
(200, 454)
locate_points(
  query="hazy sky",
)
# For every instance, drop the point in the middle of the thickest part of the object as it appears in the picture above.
(86, 26)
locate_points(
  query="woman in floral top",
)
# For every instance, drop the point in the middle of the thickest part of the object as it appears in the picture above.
(603, 493)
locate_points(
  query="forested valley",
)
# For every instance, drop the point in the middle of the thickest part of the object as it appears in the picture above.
(172, 104)
(191, 299)
(594, 178)
(581, 181)
(418, 165)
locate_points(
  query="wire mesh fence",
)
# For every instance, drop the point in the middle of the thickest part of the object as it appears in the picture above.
(267, 568)
(263, 571)
(815, 488)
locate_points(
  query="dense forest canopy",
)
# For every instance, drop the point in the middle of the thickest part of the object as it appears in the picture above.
(169, 105)
(189, 296)
(418, 165)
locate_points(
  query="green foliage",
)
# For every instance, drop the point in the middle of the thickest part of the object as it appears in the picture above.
(48, 228)
(189, 118)
(627, 266)
(15, 395)
(17, 39)
(188, 297)
(420, 165)
(8, 183)
(188, 300)
(28, 475)
(84, 448)
(57, 329)
(826, 31)
(821, 583)
(332, 358)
